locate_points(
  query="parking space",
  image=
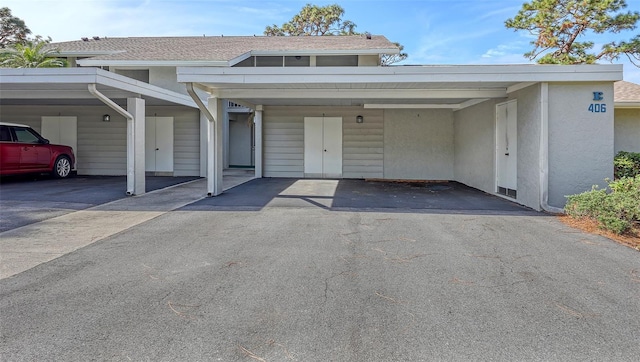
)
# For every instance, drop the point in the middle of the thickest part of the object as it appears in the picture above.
(26, 200)
(358, 194)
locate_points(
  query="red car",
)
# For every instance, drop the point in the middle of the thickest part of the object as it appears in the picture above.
(23, 150)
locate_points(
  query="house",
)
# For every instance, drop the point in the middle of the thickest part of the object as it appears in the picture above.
(323, 107)
(627, 117)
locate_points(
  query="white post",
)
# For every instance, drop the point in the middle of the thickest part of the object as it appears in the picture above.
(204, 124)
(135, 147)
(257, 120)
(214, 148)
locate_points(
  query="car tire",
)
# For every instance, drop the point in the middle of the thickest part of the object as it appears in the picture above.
(62, 167)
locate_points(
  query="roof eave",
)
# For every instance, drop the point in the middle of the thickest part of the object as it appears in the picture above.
(152, 63)
(620, 105)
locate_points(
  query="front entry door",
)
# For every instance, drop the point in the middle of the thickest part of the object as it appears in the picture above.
(507, 148)
(323, 147)
(159, 144)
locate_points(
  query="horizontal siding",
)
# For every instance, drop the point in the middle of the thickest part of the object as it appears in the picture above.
(283, 146)
(186, 140)
(102, 146)
(283, 140)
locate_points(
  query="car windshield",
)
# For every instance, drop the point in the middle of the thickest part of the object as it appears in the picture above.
(25, 135)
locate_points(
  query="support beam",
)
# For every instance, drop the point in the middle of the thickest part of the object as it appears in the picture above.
(136, 147)
(257, 120)
(214, 147)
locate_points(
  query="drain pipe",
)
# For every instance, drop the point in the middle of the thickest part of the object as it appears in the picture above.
(130, 155)
(544, 151)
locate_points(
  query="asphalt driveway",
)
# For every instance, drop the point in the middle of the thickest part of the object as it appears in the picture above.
(303, 277)
(26, 200)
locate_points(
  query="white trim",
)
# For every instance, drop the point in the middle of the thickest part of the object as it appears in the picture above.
(519, 86)
(626, 105)
(80, 77)
(92, 62)
(404, 74)
(454, 106)
(309, 52)
(412, 106)
(332, 93)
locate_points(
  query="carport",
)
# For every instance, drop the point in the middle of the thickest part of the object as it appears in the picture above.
(472, 109)
(94, 87)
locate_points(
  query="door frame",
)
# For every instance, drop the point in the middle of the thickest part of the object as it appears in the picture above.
(505, 190)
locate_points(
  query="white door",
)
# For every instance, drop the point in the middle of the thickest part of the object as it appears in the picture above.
(159, 144)
(323, 147)
(507, 148)
(61, 131)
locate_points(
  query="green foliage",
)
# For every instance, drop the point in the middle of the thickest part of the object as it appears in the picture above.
(325, 20)
(13, 30)
(558, 24)
(626, 164)
(315, 20)
(616, 211)
(33, 54)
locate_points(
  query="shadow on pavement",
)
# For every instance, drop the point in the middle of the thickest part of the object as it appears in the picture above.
(360, 195)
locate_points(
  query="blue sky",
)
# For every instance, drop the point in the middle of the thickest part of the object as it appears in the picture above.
(432, 31)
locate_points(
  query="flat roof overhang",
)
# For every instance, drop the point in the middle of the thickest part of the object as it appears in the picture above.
(69, 86)
(454, 87)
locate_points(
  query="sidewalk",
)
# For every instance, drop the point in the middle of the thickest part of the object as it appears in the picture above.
(26, 247)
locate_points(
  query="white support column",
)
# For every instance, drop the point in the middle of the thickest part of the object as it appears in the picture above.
(257, 120)
(135, 147)
(204, 124)
(214, 148)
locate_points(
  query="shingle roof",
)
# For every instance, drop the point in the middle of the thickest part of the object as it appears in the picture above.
(626, 92)
(215, 48)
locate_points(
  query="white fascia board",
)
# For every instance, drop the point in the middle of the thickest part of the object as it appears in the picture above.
(90, 62)
(411, 106)
(86, 53)
(82, 76)
(332, 93)
(124, 83)
(304, 52)
(429, 74)
(618, 105)
(237, 60)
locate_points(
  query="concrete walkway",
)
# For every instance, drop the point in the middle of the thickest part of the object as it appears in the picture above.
(26, 247)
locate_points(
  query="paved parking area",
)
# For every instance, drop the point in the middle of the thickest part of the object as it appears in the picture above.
(311, 270)
(358, 194)
(27, 200)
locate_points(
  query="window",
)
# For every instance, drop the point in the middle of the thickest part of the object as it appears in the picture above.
(5, 135)
(337, 61)
(297, 61)
(25, 135)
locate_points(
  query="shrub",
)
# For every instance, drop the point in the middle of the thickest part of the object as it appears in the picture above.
(616, 211)
(626, 164)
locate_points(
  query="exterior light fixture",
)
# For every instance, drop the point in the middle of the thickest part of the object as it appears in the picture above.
(106, 118)
(359, 119)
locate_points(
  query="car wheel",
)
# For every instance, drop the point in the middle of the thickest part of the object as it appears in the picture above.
(62, 167)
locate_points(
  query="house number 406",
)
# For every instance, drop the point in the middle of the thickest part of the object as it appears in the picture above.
(598, 107)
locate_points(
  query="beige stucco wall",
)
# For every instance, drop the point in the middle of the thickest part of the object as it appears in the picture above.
(627, 130)
(529, 115)
(418, 144)
(581, 143)
(474, 141)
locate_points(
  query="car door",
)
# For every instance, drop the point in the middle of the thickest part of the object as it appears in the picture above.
(35, 153)
(9, 152)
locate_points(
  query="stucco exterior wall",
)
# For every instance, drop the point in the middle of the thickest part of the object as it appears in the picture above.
(167, 78)
(581, 143)
(474, 142)
(418, 144)
(627, 130)
(102, 146)
(529, 116)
